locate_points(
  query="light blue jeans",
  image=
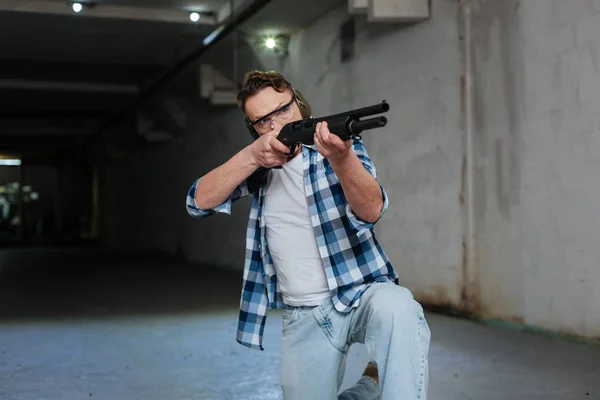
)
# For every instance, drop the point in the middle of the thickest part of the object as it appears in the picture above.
(388, 321)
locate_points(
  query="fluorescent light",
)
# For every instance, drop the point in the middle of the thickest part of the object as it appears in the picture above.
(77, 7)
(195, 17)
(208, 40)
(10, 161)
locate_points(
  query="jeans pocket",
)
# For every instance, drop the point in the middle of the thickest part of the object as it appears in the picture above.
(289, 316)
(334, 325)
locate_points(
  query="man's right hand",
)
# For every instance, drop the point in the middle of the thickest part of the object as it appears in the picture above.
(216, 186)
(268, 151)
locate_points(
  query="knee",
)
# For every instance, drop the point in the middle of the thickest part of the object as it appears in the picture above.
(394, 305)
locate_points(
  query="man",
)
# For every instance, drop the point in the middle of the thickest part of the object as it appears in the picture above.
(311, 251)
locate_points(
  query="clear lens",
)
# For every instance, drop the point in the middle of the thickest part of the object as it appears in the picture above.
(282, 116)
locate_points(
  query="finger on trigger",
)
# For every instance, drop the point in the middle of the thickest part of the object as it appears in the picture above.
(317, 140)
(323, 136)
(277, 145)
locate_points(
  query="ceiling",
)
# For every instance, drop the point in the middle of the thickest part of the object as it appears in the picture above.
(195, 5)
(63, 73)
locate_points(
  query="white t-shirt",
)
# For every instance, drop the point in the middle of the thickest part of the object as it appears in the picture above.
(291, 238)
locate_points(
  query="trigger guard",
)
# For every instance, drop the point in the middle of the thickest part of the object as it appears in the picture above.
(292, 150)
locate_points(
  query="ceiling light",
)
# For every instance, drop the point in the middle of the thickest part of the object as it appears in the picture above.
(270, 43)
(10, 162)
(77, 7)
(195, 17)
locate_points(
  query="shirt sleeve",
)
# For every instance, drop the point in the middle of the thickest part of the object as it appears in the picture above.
(357, 223)
(225, 207)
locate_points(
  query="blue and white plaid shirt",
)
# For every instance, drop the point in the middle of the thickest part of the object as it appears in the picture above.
(351, 255)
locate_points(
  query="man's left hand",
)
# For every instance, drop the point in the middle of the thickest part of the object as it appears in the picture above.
(330, 145)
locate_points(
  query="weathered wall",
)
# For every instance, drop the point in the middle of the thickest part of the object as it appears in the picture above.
(146, 209)
(535, 145)
(419, 153)
(537, 93)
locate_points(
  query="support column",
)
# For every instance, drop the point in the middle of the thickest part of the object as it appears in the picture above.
(95, 203)
(58, 202)
(21, 226)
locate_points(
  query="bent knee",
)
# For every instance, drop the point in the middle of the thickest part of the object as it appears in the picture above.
(394, 303)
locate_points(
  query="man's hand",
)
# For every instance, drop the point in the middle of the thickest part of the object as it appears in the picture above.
(330, 145)
(268, 151)
(360, 188)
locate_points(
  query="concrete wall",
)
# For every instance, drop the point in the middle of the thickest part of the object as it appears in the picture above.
(537, 93)
(535, 139)
(419, 153)
(145, 208)
(534, 145)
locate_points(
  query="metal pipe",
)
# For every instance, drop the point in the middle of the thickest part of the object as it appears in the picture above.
(103, 11)
(235, 46)
(72, 86)
(470, 278)
(235, 19)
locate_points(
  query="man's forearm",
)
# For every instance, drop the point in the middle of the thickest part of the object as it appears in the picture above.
(360, 188)
(216, 186)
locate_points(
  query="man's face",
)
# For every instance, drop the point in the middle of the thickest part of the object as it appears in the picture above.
(271, 110)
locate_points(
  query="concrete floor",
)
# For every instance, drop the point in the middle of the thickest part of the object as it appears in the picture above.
(81, 325)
